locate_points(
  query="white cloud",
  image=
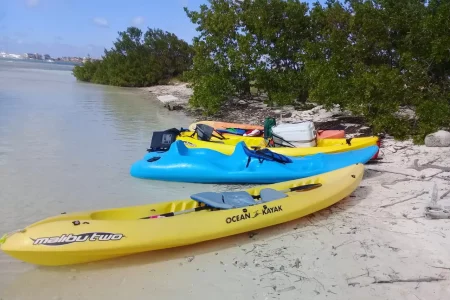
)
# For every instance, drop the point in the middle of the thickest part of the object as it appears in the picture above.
(32, 3)
(138, 21)
(102, 22)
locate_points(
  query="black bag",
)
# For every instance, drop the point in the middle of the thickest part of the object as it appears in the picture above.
(161, 140)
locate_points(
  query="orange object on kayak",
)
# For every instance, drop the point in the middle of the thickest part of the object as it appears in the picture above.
(331, 134)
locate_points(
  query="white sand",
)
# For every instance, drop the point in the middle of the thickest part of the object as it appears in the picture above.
(377, 234)
(347, 251)
(177, 93)
(338, 253)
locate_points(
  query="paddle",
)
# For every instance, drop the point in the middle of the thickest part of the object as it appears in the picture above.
(301, 188)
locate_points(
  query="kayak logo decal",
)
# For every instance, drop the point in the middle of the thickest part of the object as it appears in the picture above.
(245, 215)
(271, 210)
(189, 144)
(256, 213)
(238, 218)
(77, 238)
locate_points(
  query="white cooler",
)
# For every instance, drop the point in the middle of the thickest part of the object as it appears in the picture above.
(299, 134)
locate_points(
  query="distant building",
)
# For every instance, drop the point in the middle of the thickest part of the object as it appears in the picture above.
(38, 56)
(30, 56)
(47, 57)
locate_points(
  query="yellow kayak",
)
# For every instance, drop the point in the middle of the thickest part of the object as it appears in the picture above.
(228, 144)
(103, 234)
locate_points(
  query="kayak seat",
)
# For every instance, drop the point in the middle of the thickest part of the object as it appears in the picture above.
(268, 195)
(229, 200)
(225, 200)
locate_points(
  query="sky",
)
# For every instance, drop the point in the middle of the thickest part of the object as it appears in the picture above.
(81, 27)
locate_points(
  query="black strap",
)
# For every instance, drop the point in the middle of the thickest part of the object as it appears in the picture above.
(193, 133)
(222, 137)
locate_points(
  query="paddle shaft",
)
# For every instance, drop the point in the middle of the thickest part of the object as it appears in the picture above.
(301, 188)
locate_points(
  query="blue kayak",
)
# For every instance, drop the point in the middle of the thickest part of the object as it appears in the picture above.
(202, 165)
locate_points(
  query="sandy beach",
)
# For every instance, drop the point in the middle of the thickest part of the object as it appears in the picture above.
(376, 244)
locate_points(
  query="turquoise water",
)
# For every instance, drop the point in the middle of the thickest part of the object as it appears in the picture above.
(67, 146)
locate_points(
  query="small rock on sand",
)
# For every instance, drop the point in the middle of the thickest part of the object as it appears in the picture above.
(440, 138)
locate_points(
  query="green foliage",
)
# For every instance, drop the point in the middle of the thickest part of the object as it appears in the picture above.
(376, 58)
(139, 59)
(87, 71)
(246, 45)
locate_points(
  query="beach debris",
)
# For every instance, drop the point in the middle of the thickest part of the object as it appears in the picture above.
(417, 280)
(445, 194)
(167, 98)
(252, 234)
(353, 284)
(170, 102)
(440, 138)
(438, 214)
(290, 288)
(404, 200)
(171, 106)
(428, 165)
(297, 263)
(437, 267)
(435, 210)
(190, 258)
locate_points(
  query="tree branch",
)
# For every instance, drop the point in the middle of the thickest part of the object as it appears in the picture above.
(401, 201)
(424, 279)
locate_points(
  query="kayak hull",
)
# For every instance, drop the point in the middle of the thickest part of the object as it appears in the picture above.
(183, 164)
(89, 236)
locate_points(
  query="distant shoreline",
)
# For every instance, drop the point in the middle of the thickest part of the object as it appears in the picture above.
(58, 62)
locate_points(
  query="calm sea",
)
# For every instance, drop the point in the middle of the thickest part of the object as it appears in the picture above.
(68, 146)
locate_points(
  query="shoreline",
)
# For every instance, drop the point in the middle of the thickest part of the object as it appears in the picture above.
(377, 242)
